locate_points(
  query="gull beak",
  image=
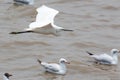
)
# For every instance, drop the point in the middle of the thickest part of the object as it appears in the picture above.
(119, 52)
(68, 62)
(10, 74)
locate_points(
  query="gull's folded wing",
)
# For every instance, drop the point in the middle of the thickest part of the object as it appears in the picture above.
(52, 67)
(103, 57)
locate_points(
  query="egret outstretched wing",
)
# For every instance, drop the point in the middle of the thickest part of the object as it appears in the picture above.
(44, 23)
(45, 16)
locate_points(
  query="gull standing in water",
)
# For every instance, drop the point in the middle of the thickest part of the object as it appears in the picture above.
(6, 76)
(44, 23)
(20, 2)
(55, 68)
(105, 58)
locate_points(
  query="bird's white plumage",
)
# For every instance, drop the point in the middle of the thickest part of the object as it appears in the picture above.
(107, 59)
(49, 12)
(44, 17)
(5, 78)
(51, 67)
(103, 57)
(44, 23)
(56, 68)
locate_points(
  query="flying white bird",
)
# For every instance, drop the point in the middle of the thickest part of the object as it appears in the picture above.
(6, 76)
(20, 2)
(105, 58)
(44, 23)
(55, 68)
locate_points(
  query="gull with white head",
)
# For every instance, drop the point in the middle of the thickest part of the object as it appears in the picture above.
(105, 58)
(20, 2)
(55, 68)
(6, 76)
(44, 23)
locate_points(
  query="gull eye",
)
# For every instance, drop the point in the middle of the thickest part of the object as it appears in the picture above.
(63, 61)
(115, 51)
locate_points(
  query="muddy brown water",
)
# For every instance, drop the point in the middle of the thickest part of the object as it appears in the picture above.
(96, 26)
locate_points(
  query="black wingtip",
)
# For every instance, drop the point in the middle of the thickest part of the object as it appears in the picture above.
(89, 53)
(39, 61)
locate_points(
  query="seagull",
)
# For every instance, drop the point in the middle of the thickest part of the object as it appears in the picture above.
(55, 68)
(6, 76)
(20, 2)
(105, 58)
(44, 23)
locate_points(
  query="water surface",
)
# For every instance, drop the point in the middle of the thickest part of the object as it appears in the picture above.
(96, 28)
